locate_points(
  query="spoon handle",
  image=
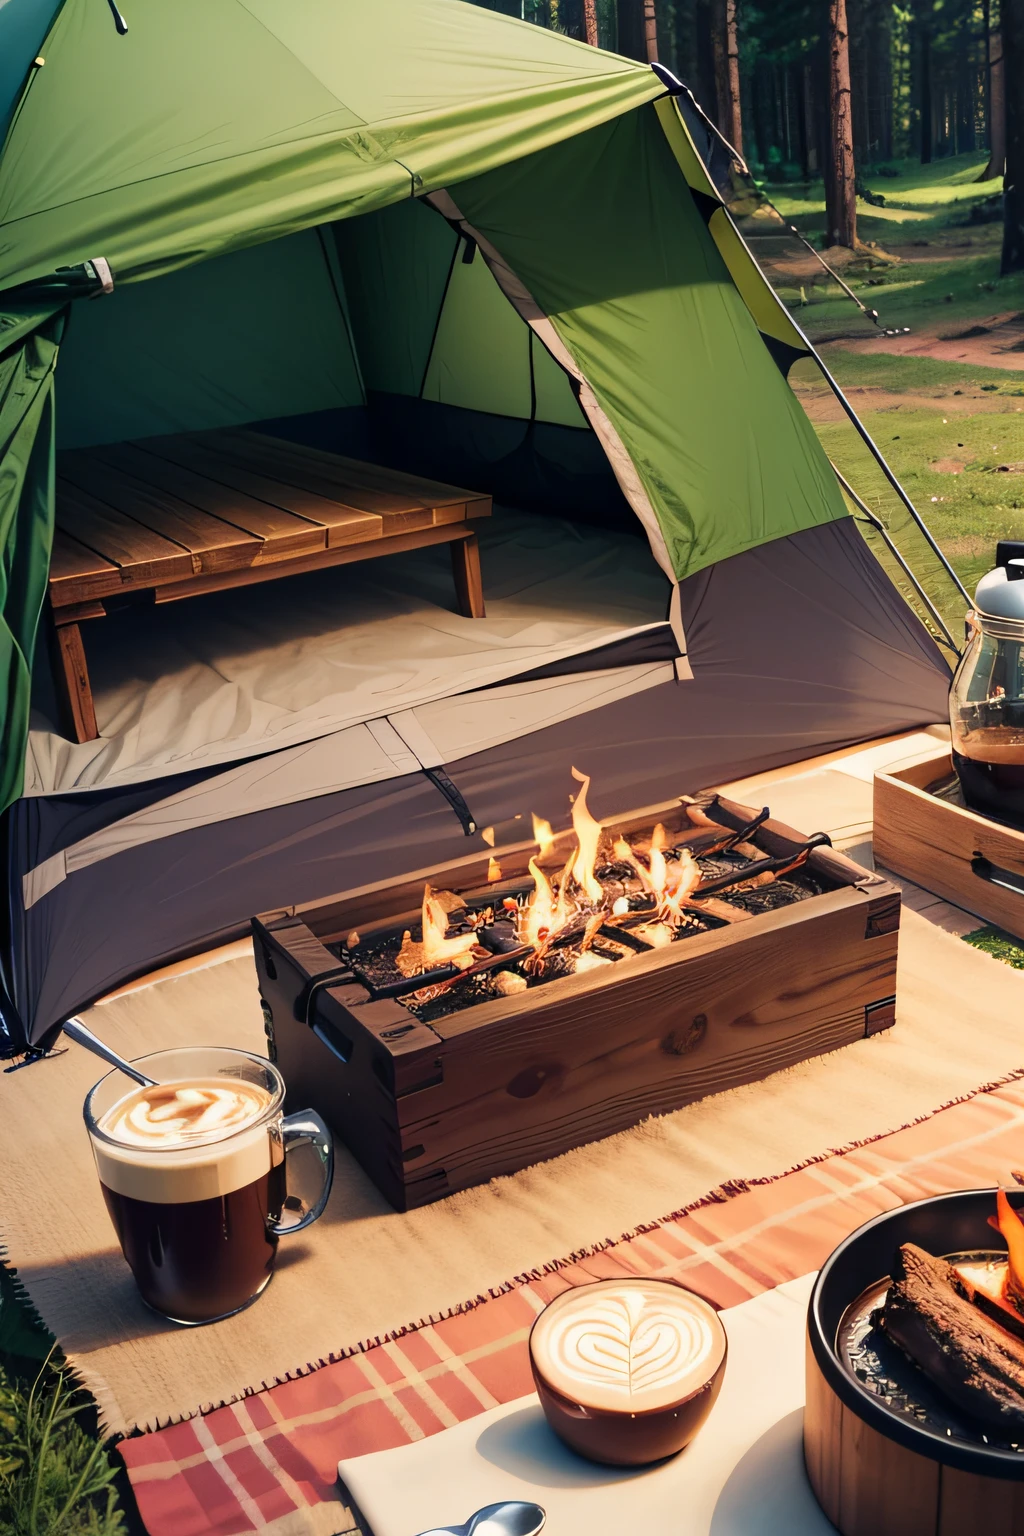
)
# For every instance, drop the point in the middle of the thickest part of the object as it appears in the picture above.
(77, 1031)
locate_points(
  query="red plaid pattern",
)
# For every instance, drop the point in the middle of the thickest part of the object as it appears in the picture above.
(267, 1463)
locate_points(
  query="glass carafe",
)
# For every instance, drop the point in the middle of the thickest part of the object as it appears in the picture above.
(986, 715)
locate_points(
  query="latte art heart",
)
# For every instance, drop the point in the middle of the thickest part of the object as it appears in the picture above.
(627, 1346)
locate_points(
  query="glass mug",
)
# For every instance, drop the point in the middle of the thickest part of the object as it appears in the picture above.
(199, 1217)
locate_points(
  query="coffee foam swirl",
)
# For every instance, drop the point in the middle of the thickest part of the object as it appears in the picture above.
(628, 1346)
(178, 1114)
(188, 1140)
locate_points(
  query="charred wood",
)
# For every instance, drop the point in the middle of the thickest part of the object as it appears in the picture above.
(976, 1363)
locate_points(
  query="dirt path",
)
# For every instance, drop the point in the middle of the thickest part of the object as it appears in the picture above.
(993, 341)
(821, 404)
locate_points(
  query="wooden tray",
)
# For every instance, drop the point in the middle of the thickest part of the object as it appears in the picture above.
(428, 1109)
(940, 845)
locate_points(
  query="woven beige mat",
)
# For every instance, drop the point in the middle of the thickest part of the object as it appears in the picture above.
(364, 1270)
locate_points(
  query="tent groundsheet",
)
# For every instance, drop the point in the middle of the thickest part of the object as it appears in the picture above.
(254, 670)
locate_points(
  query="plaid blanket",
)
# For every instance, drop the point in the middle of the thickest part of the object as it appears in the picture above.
(268, 1462)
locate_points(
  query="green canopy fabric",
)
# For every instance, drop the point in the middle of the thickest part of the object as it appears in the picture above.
(638, 292)
(29, 341)
(219, 123)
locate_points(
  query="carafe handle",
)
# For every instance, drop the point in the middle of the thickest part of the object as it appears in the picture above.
(306, 1129)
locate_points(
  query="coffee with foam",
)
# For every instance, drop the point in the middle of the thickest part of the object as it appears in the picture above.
(627, 1370)
(177, 1114)
(183, 1141)
(632, 1347)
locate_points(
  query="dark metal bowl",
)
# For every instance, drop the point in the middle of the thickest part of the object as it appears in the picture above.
(946, 1224)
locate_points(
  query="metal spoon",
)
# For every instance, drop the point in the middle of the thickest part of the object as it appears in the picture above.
(77, 1031)
(510, 1518)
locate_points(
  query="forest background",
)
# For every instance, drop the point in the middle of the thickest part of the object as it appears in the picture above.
(919, 71)
(879, 132)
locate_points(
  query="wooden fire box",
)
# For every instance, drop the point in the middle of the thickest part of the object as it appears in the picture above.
(938, 843)
(430, 1109)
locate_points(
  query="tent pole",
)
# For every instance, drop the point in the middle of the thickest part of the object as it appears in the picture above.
(676, 88)
(887, 472)
(880, 527)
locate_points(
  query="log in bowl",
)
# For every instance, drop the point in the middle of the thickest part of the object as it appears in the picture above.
(885, 1454)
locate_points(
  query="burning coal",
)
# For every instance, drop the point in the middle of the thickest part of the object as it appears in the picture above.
(610, 899)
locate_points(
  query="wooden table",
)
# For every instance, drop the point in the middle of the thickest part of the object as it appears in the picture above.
(175, 517)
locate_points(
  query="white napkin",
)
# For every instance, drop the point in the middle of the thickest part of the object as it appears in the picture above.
(743, 1475)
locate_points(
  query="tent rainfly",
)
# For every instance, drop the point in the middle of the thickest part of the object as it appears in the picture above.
(426, 235)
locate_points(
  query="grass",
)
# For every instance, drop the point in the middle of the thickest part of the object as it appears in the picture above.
(919, 195)
(967, 512)
(900, 374)
(1000, 945)
(56, 1475)
(915, 292)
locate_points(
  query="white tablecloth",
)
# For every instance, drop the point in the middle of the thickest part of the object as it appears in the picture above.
(742, 1476)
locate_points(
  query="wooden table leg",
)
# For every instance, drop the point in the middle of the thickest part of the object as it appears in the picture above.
(71, 676)
(469, 587)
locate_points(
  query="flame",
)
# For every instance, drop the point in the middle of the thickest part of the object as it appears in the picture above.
(683, 879)
(671, 884)
(436, 946)
(588, 835)
(624, 853)
(545, 916)
(493, 869)
(543, 835)
(656, 860)
(1010, 1225)
(539, 918)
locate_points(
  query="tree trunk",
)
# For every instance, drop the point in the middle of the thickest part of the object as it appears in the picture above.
(1012, 26)
(650, 32)
(927, 126)
(704, 56)
(808, 145)
(840, 175)
(630, 18)
(996, 107)
(590, 22)
(727, 72)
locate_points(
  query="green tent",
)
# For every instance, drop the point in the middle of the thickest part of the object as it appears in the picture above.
(493, 250)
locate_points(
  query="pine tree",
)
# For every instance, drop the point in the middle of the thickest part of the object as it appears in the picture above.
(840, 174)
(1013, 183)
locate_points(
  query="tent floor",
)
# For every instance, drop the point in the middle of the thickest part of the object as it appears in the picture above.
(186, 515)
(248, 671)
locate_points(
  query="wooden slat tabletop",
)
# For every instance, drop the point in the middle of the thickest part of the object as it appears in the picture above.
(318, 512)
(385, 491)
(419, 489)
(78, 573)
(168, 509)
(213, 544)
(141, 555)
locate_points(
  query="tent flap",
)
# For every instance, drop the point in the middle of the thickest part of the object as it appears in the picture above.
(601, 233)
(26, 520)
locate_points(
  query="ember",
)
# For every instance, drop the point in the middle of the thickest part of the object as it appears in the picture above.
(609, 900)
